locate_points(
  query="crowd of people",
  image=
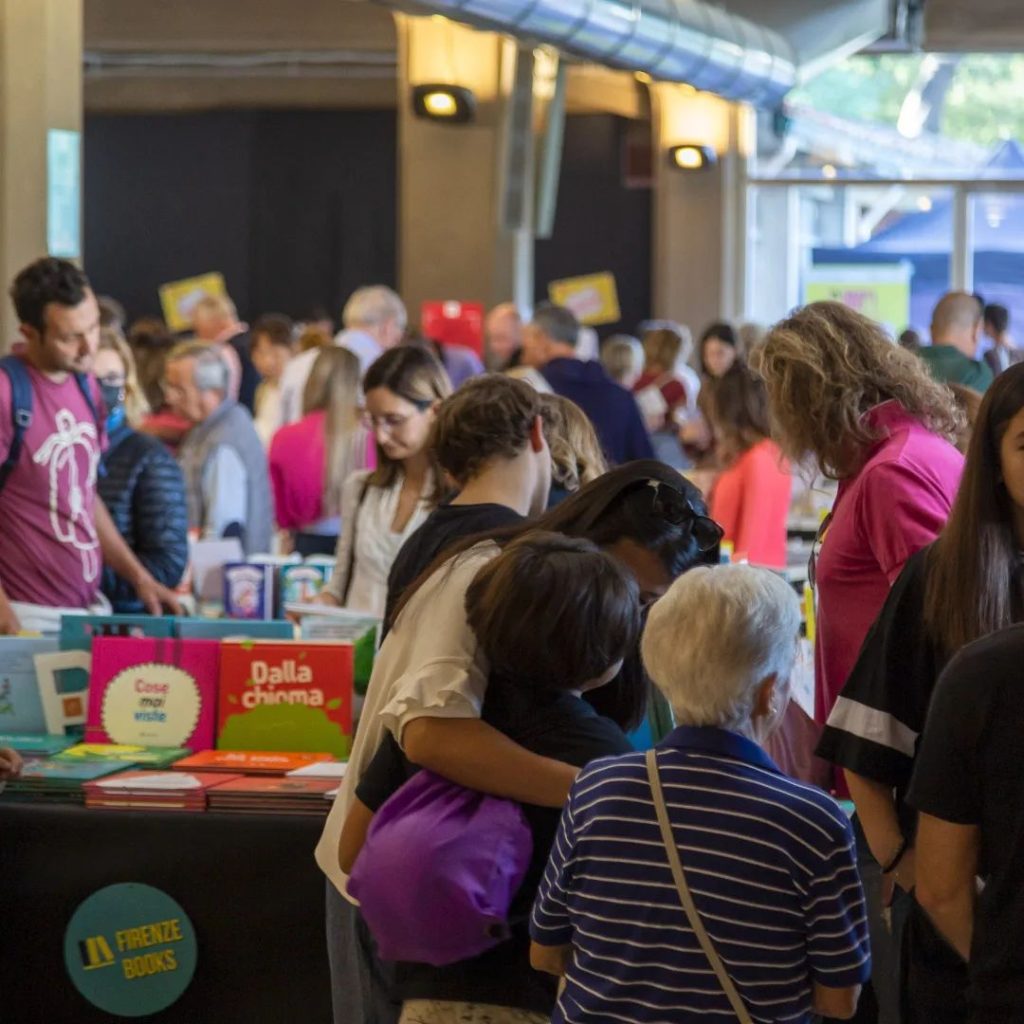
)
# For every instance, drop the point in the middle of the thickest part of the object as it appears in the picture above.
(548, 573)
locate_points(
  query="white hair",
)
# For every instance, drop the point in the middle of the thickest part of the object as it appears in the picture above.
(372, 306)
(211, 370)
(715, 636)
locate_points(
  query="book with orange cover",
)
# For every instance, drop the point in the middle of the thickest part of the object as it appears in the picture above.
(261, 762)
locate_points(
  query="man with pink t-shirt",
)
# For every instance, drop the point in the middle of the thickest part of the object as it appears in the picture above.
(57, 534)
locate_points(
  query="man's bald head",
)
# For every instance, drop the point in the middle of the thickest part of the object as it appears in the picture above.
(956, 321)
(503, 334)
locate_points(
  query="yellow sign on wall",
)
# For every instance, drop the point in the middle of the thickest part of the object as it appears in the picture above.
(593, 298)
(178, 298)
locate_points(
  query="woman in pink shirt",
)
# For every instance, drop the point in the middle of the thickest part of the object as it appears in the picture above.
(873, 418)
(310, 459)
(750, 498)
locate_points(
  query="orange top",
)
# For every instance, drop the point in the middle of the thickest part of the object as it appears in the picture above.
(750, 501)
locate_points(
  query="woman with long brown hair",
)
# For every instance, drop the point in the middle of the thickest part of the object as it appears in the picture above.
(382, 508)
(871, 417)
(311, 460)
(751, 496)
(965, 586)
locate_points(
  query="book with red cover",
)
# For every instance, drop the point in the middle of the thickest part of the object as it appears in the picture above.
(258, 762)
(276, 695)
(271, 795)
(165, 791)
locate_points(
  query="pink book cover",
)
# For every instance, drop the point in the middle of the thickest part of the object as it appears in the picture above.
(153, 692)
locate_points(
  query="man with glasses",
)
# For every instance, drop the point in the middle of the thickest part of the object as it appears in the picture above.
(57, 533)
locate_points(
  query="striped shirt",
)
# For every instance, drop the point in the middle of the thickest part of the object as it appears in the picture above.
(771, 865)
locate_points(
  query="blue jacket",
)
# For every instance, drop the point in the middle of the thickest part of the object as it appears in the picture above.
(611, 408)
(144, 492)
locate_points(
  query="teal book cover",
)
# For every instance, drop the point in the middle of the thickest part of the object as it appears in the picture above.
(21, 707)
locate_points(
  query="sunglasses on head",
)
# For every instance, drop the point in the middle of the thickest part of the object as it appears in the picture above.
(674, 507)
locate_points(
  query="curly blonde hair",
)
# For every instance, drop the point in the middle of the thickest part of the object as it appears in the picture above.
(825, 367)
(576, 456)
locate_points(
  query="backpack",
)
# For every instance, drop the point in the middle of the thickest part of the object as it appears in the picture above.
(21, 408)
(439, 869)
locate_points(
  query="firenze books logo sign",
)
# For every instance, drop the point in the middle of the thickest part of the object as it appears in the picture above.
(130, 950)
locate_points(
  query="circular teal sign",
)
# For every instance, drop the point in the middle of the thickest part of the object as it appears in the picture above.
(130, 949)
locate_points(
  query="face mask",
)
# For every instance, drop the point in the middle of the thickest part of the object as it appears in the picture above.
(113, 399)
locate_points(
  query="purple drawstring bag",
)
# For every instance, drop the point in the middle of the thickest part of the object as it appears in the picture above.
(438, 871)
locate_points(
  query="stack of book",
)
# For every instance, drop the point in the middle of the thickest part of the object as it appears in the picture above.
(270, 795)
(52, 781)
(155, 791)
(249, 762)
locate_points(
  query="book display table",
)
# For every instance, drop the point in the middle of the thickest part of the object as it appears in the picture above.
(247, 883)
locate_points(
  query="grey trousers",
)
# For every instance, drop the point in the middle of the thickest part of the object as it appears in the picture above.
(360, 983)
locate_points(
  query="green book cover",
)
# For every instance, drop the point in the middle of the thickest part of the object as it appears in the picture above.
(142, 757)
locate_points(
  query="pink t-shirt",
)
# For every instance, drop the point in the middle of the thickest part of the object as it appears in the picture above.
(49, 551)
(750, 501)
(298, 463)
(893, 507)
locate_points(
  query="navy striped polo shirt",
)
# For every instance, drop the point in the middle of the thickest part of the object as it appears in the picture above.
(771, 865)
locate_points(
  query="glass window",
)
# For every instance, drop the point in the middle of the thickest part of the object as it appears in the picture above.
(906, 116)
(996, 241)
(884, 250)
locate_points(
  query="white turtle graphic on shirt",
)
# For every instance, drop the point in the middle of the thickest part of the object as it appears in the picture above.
(58, 452)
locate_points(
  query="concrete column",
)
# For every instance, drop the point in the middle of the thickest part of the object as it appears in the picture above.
(699, 218)
(453, 179)
(40, 90)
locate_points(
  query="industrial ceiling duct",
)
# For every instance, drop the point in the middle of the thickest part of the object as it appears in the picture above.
(672, 40)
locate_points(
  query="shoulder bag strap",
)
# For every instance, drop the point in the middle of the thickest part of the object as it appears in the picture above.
(684, 893)
(21, 411)
(352, 545)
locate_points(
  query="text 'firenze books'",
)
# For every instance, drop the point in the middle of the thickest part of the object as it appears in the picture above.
(285, 696)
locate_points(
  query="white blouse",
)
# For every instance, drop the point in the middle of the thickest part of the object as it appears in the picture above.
(376, 544)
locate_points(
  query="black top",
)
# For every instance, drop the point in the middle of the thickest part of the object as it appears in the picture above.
(442, 528)
(553, 724)
(144, 492)
(250, 380)
(876, 724)
(969, 772)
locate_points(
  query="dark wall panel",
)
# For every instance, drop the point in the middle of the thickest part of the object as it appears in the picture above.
(600, 224)
(295, 208)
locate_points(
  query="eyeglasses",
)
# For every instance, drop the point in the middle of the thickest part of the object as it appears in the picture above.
(674, 507)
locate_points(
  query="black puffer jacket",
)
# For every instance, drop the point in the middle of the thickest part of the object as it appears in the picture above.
(144, 492)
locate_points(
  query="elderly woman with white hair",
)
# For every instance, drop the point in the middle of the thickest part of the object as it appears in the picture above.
(697, 879)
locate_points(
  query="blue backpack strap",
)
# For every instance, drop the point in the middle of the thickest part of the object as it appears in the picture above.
(21, 411)
(82, 380)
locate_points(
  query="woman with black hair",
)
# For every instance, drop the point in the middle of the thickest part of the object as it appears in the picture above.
(967, 585)
(429, 679)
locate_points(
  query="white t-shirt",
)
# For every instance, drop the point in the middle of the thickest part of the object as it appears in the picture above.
(377, 544)
(428, 666)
